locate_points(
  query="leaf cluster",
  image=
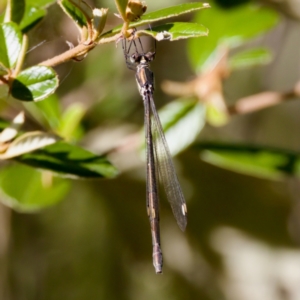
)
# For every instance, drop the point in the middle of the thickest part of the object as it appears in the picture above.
(200, 101)
(54, 151)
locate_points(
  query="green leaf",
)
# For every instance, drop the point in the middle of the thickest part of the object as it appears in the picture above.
(40, 3)
(176, 31)
(28, 142)
(34, 84)
(10, 44)
(22, 188)
(216, 116)
(15, 11)
(184, 119)
(78, 11)
(50, 108)
(121, 6)
(69, 161)
(161, 14)
(99, 21)
(33, 15)
(70, 120)
(170, 12)
(47, 112)
(232, 28)
(258, 161)
(250, 58)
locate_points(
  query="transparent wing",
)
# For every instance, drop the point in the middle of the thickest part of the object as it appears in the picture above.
(167, 173)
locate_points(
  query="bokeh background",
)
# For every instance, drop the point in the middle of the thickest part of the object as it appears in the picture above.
(241, 242)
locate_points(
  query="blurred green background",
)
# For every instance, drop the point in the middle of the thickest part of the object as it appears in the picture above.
(242, 237)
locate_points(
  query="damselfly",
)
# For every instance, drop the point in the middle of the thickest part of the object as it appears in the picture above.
(159, 160)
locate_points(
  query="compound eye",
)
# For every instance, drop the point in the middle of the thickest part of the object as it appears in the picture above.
(135, 58)
(150, 56)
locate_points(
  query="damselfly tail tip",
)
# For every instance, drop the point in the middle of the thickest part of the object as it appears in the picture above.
(157, 259)
(182, 224)
(158, 268)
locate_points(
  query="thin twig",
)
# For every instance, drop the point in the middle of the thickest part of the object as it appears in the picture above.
(79, 50)
(261, 100)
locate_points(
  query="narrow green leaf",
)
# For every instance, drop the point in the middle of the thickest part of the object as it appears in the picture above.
(40, 3)
(70, 120)
(34, 84)
(176, 31)
(99, 21)
(50, 109)
(170, 12)
(161, 14)
(121, 6)
(250, 58)
(78, 13)
(215, 115)
(184, 119)
(10, 44)
(15, 11)
(69, 161)
(32, 16)
(22, 188)
(29, 142)
(232, 28)
(258, 161)
(46, 112)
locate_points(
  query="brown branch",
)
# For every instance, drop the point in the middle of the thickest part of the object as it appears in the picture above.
(209, 83)
(78, 51)
(262, 100)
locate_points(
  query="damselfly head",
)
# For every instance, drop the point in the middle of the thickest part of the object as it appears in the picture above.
(138, 58)
(133, 58)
